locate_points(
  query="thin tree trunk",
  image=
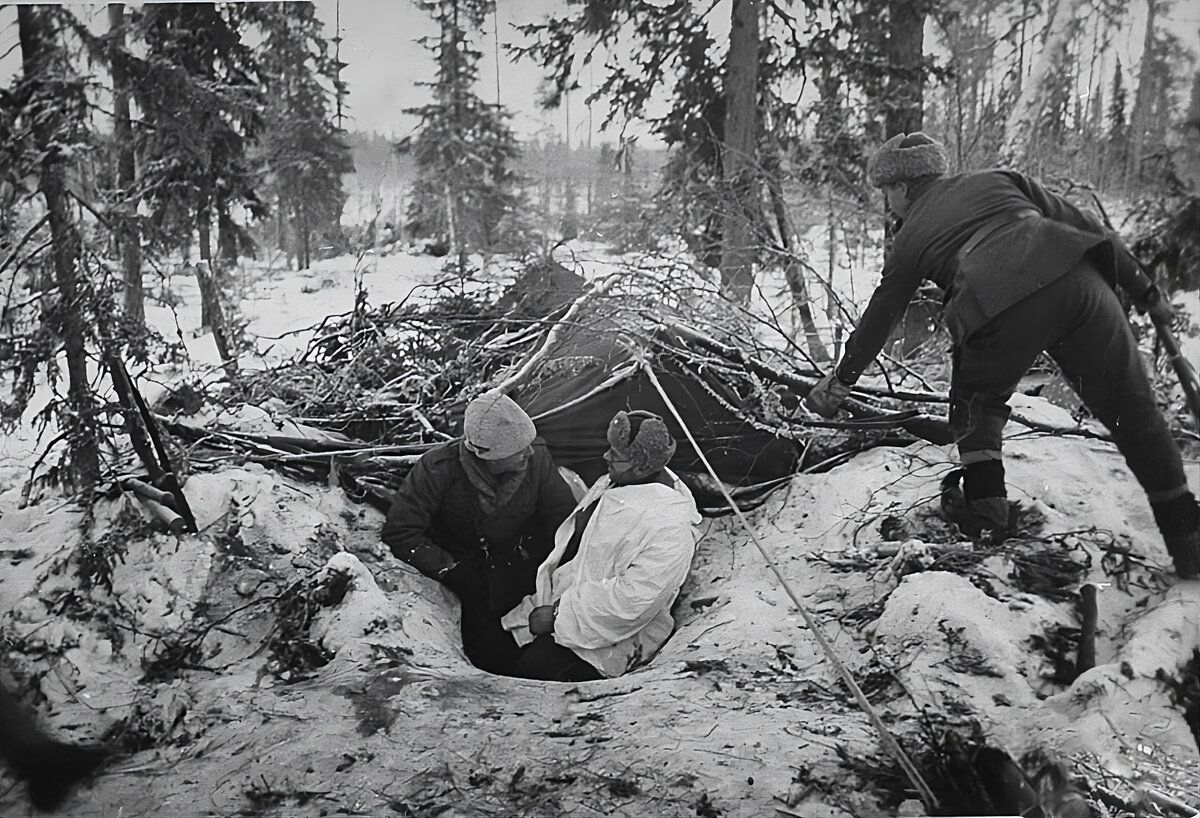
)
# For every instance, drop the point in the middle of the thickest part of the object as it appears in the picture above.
(204, 269)
(39, 58)
(305, 247)
(211, 314)
(738, 154)
(794, 270)
(1141, 102)
(227, 244)
(129, 233)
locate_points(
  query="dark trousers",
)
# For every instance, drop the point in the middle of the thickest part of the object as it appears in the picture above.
(546, 660)
(488, 646)
(1079, 322)
(18, 733)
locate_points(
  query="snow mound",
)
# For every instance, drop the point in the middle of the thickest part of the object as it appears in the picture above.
(282, 663)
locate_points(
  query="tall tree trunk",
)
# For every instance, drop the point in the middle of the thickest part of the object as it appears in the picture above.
(1138, 118)
(40, 58)
(211, 314)
(1189, 157)
(739, 152)
(227, 243)
(1021, 128)
(794, 269)
(906, 80)
(305, 242)
(204, 269)
(129, 233)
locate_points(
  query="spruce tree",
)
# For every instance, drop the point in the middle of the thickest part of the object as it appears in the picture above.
(302, 150)
(51, 110)
(464, 148)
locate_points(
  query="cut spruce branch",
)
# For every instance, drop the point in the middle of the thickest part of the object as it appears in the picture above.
(934, 430)
(527, 369)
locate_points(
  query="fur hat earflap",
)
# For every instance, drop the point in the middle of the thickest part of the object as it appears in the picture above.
(496, 427)
(905, 157)
(649, 448)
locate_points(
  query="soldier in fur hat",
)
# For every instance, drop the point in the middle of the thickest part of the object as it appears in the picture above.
(1022, 271)
(604, 595)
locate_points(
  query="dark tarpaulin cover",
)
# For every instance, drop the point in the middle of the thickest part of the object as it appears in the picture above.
(739, 453)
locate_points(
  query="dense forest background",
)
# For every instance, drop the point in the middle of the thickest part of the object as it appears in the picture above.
(200, 136)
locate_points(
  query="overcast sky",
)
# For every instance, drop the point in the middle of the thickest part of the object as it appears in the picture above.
(385, 61)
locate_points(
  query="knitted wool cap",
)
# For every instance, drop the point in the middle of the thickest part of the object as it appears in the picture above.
(495, 427)
(907, 156)
(650, 449)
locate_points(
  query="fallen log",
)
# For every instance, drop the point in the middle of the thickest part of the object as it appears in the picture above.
(149, 492)
(174, 523)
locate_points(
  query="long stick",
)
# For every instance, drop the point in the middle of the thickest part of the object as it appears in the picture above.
(168, 477)
(1181, 365)
(889, 741)
(1085, 660)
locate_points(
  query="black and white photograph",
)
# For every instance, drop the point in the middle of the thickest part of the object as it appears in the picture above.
(579, 408)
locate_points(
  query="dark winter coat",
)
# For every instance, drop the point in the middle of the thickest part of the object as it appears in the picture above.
(436, 521)
(988, 240)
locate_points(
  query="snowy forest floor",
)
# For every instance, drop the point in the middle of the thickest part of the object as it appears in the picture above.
(186, 664)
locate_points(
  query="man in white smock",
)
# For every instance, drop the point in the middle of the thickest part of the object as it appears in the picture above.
(604, 595)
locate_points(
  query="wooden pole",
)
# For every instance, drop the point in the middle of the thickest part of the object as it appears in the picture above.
(889, 741)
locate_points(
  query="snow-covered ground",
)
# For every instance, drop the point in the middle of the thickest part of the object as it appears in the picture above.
(740, 715)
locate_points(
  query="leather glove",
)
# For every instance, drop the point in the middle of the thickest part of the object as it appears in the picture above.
(1153, 304)
(827, 395)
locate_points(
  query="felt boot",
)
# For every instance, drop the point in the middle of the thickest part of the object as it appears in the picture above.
(984, 514)
(980, 505)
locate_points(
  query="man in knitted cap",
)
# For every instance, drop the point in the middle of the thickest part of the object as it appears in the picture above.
(1022, 271)
(604, 595)
(479, 515)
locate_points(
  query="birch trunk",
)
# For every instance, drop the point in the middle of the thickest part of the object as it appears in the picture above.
(1141, 101)
(130, 237)
(1021, 128)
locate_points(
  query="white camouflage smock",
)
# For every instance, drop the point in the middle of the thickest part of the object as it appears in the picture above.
(614, 598)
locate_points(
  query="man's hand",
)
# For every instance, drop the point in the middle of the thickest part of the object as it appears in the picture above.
(827, 395)
(466, 579)
(541, 620)
(1158, 308)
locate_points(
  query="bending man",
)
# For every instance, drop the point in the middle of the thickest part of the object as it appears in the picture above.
(1023, 271)
(604, 596)
(479, 516)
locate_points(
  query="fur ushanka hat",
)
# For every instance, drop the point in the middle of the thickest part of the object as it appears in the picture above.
(649, 448)
(905, 157)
